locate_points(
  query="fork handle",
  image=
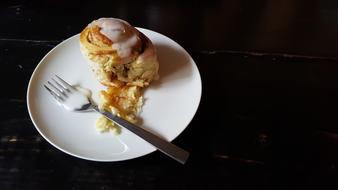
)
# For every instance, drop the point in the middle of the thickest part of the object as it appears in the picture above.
(166, 147)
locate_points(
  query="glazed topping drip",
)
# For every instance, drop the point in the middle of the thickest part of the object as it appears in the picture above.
(123, 36)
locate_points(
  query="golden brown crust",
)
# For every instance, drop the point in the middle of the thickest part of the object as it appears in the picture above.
(124, 60)
(139, 68)
(96, 36)
(91, 42)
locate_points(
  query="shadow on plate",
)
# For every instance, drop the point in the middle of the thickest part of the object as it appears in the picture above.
(174, 66)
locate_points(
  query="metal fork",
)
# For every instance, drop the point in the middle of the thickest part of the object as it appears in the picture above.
(73, 100)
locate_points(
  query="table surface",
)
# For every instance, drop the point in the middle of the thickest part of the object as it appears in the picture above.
(268, 114)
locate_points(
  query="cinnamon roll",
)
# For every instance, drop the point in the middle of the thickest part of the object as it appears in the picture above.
(118, 53)
(124, 60)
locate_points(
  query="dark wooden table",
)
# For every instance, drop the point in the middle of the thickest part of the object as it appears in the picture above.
(268, 116)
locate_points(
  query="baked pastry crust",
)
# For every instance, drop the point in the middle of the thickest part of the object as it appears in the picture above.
(126, 57)
(124, 60)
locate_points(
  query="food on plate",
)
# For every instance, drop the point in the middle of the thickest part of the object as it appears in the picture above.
(125, 61)
(125, 102)
(119, 53)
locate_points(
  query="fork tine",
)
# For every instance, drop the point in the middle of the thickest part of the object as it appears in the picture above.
(65, 84)
(57, 90)
(54, 94)
(61, 87)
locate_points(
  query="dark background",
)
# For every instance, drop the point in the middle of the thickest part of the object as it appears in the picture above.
(268, 113)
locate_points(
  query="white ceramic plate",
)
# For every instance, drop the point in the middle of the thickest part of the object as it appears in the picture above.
(170, 102)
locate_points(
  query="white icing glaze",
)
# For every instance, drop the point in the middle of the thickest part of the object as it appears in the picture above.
(124, 49)
(118, 31)
(77, 99)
